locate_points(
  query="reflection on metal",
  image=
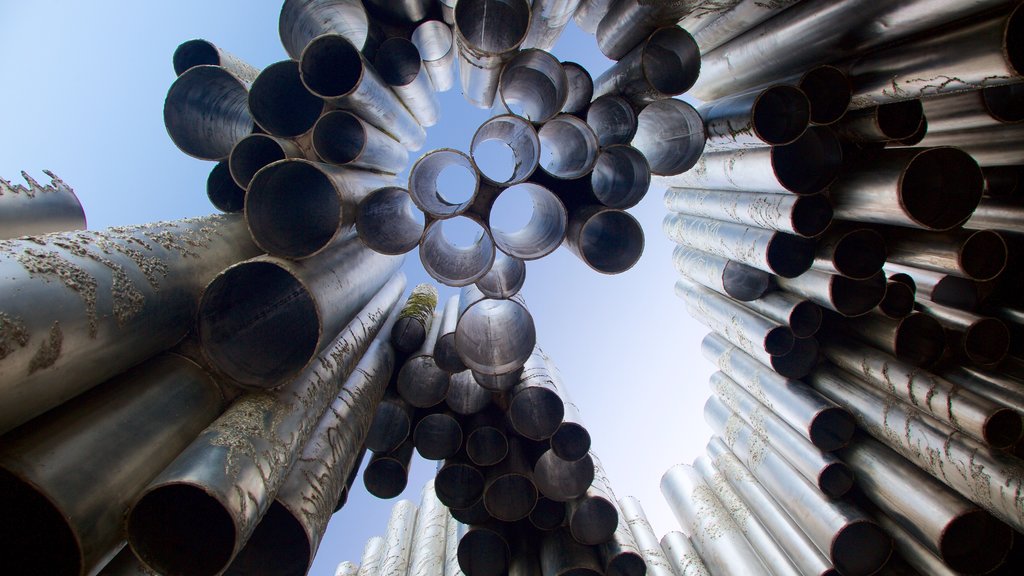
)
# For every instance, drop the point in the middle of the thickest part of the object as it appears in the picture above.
(488, 34)
(38, 209)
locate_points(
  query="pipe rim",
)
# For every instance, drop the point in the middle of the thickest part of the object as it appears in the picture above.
(321, 61)
(943, 172)
(278, 545)
(810, 163)
(483, 552)
(610, 229)
(860, 547)
(986, 342)
(459, 485)
(853, 298)
(426, 37)
(1002, 428)
(613, 110)
(251, 154)
(983, 255)
(812, 215)
(339, 137)
(670, 134)
(829, 92)
(423, 185)
(530, 66)
(385, 476)
(789, 256)
(779, 341)
(547, 514)
(486, 446)
(509, 16)
(505, 278)
(562, 480)
(974, 541)
(799, 361)
(805, 319)
(222, 190)
(581, 88)
(402, 227)
(510, 497)
(280, 104)
(898, 300)
(545, 230)
(739, 280)
(498, 382)
(192, 53)
(859, 253)
(453, 265)
(780, 114)
(445, 436)
(421, 383)
(34, 513)
(571, 441)
(899, 120)
(621, 176)
(536, 412)
(1013, 40)
(832, 428)
(667, 58)
(491, 320)
(598, 519)
(835, 479)
(206, 112)
(519, 135)
(568, 147)
(398, 61)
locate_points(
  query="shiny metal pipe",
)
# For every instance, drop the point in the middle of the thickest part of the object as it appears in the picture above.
(255, 151)
(571, 440)
(684, 559)
(854, 252)
(63, 476)
(943, 289)
(420, 382)
(989, 146)
(621, 176)
(562, 480)
(451, 264)
(222, 190)
(984, 476)
(288, 536)
(303, 20)
(347, 568)
(984, 340)
(966, 537)
(198, 513)
(914, 557)
(734, 18)
(541, 234)
(806, 216)
(589, 14)
(426, 190)
(547, 514)
(581, 89)
(437, 436)
(594, 521)
(663, 65)
(646, 542)
(391, 424)
(733, 279)
(519, 136)
(429, 535)
(405, 11)
(280, 104)
(399, 63)
(973, 415)
(351, 480)
(445, 355)
(776, 252)
(416, 322)
(535, 408)
(854, 543)
(978, 255)
(802, 316)
(988, 106)
(774, 116)
(343, 138)
(114, 298)
(992, 214)
(827, 425)
(398, 539)
(1000, 388)
(387, 221)
(206, 112)
(387, 474)
(916, 338)
(613, 120)
(881, 123)
(451, 548)
(505, 278)
(823, 470)
(244, 330)
(608, 241)
(533, 85)
(568, 147)
(509, 490)
(670, 134)
(436, 45)
(805, 166)
(498, 382)
(751, 332)
(488, 34)
(1002, 182)
(465, 396)
(487, 438)
(484, 549)
(199, 52)
(628, 22)
(905, 279)
(827, 89)
(898, 301)
(493, 337)
(848, 297)
(298, 209)
(547, 20)
(459, 484)
(38, 209)
(561, 554)
(369, 562)
(332, 68)
(619, 554)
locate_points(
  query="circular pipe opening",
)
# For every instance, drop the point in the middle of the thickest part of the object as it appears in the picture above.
(790, 256)
(835, 480)
(856, 297)
(222, 190)
(465, 396)
(303, 20)
(811, 215)
(805, 319)
(388, 222)
(832, 428)
(1013, 40)
(293, 209)
(899, 120)
(975, 542)
(581, 88)
(486, 446)
(613, 120)
(568, 147)
(778, 341)
(898, 300)
(390, 427)
(562, 480)
(860, 547)
(433, 39)
(610, 241)
(670, 60)
(398, 61)
(859, 254)
(505, 278)
(451, 263)
(536, 412)
(194, 53)
(510, 497)
(1002, 428)
(430, 175)
(986, 342)
(458, 485)
(946, 173)
(1004, 103)
(385, 477)
(206, 112)
(799, 361)
(533, 85)
(339, 137)
(809, 163)
(621, 177)
(983, 255)
(547, 514)
(915, 138)
(545, 221)
(483, 552)
(437, 436)
(829, 92)
(780, 114)
(741, 281)
(516, 134)
(251, 154)
(280, 103)
(278, 546)
(670, 134)
(571, 441)
(331, 66)
(492, 26)
(35, 537)
(495, 336)
(421, 383)
(594, 521)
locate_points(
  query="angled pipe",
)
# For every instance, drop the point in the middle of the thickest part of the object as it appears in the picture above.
(206, 112)
(38, 209)
(459, 484)
(548, 18)
(542, 233)
(252, 153)
(429, 536)
(733, 279)
(425, 189)
(993, 214)
(199, 52)
(343, 138)
(681, 555)
(369, 561)
(806, 216)
(391, 424)
(483, 549)
(983, 340)
(398, 538)
(670, 134)
(420, 382)
(989, 106)
(445, 355)
(621, 176)
(977, 255)
(568, 147)
(619, 554)
(416, 322)
(465, 396)
(613, 120)
(387, 221)
(628, 22)
(848, 297)
(851, 251)
(488, 34)
(561, 554)
(882, 123)
(399, 63)
(944, 289)
(989, 146)
(663, 65)
(827, 89)
(533, 85)
(535, 408)
(222, 190)
(509, 491)
(301, 21)
(436, 45)
(487, 438)
(916, 338)
(898, 301)
(387, 473)
(452, 264)
(562, 480)
(505, 278)
(581, 89)
(547, 514)
(801, 315)
(595, 520)
(999, 388)
(646, 542)
(493, 337)
(608, 241)
(733, 19)
(774, 116)
(520, 136)
(281, 105)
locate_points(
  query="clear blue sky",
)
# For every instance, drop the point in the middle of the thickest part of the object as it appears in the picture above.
(84, 84)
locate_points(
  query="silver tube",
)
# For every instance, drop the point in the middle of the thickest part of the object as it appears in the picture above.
(664, 65)
(387, 221)
(684, 559)
(736, 18)
(628, 22)
(38, 209)
(594, 520)
(280, 104)
(969, 413)
(984, 340)
(989, 146)
(589, 14)
(898, 301)
(369, 562)
(544, 231)
(222, 191)
(535, 408)
(914, 556)
(459, 484)
(805, 166)
(776, 115)
(497, 382)
(670, 134)
(509, 490)
(621, 176)
(199, 52)
(882, 123)
(487, 438)
(547, 20)
(562, 480)
(398, 539)
(391, 424)
(943, 288)
(848, 297)
(436, 45)
(802, 316)
(438, 435)
(114, 298)
(387, 473)
(425, 188)
(609, 241)
(519, 136)
(451, 548)
(827, 425)
(417, 326)
(206, 112)
(613, 120)
(465, 396)
(850, 251)
(646, 542)
(451, 264)
(242, 326)
(568, 146)
(505, 278)
(581, 89)
(547, 514)
(347, 568)
(842, 532)
(986, 107)
(533, 85)
(561, 554)
(806, 216)
(916, 338)
(410, 11)
(420, 382)
(483, 550)
(198, 513)
(776, 252)
(997, 215)
(341, 137)
(493, 337)
(303, 20)
(722, 275)
(828, 90)
(400, 65)
(332, 68)
(255, 151)
(978, 255)
(428, 539)
(488, 33)
(445, 355)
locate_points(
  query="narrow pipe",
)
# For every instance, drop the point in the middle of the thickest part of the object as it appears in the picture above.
(332, 68)
(436, 45)
(255, 151)
(827, 425)
(459, 484)
(736, 18)
(628, 22)
(848, 297)
(774, 116)
(806, 216)
(561, 554)
(646, 542)
(679, 551)
(663, 65)
(505, 278)
(484, 549)
(416, 321)
(55, 471)
(854, 543)
(400, 65)
(778, 253)
(343, 138)
(437, 436)
(973, 415)
(620, 555)
(303, 20)
(594, 518)
(420, 382)
(488, 34)
(613, 120)
(989, 146)
(992, 214)
(509, 490)
(568, 147)
(733, 279)
(882, 123)
(670, 134)
(547, 514)
(263, 321)
(465, 396)
(806, 166)
(487, 440)
(199, 52)
(943, 289)
(535, 408)
(916, 338)
(850, 251)
(451, 548)
(828, 90)
(40, 209)
(206, 112)
(114, 298)
(280, 104)
(452, 264)
(493, 337)
(429, 536)
(548, 18)
(589, 14)
(898, 301)
(398, 539)
(221, 189)
(581, 89)
(388, 222)
(369, 562)
(425, 188)
(984, 340)
(802, 316)
(519, 136)
(562, 480)
(445, 355)
(608, 241)
(978, 255)
(533, 85)
(198, 513)
(391, 424)
(297, 208)
(986, 107)
(905, 279)
(387, 474)
(404, 11)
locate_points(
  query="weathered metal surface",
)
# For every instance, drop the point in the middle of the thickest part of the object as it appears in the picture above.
(488, 34)
(38, 209)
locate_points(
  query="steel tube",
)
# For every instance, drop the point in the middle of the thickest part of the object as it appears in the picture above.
(806, 216)
(736, 18)
(459, 484)
(445, 355)
(984, 340)
(398, 539)
(533, 85)
(628, 22)
(589, 14)
(978, 255)
(943, 288)
(684, 559)
(405, 11)
(222, 190)
(436, 45)
(670, 134)
(38, 209)
(850, 251)
(594, 519)
(519, 136)
(664, 65)
(581, 89)
(733, 279)
(387, 221)
(805, 166)
(776, 115)
(486, 438)
(488, 34)
(535, 408)
(303, 20)
(387, 474)
(199, 52)
(451, 548)
(621, 177)
(828, 90)
(561, 554)
(989, 146)
(280, 104)
(568, 147)
(509, 490)
(369, 562)
(898, 301)
(465, 395)
(547, 514)
(608, 241)
(848, 297)
(343, 138)
(646, 542)
(400, 65)
(429, 537)
(347, 568)
(541, 234)
(391, 424)
(420, 382)
(493, 337)
(882, 123)
(484, 549)
(775, 252)
(451, 264)
(802, 316)
(475, 514)
(988, 106)
(562, 480)
(255, 151)
(999, 215)
(619, 554)
(425, 188)
(916, 338)
(505, 278)
(612, 119)
(547, 20)
(1000, 388)
(497, 382)
(437, 436)
(206, 112)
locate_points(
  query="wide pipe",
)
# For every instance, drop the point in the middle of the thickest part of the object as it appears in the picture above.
(806, 216)
(827, 89)
(221, 189)
(493, 337)
(437, 436)
(621, 176)
(801, 315)
(535, 408)
(465, 395)
(646, 542)
(487, 438)
(898, 300)
(387, 473)
(516, 133)
(664, 65)
(420, 382)
(436, 45)
(38, 209)
(848, 297)
(916, 338)
(541, 234)
(343, 138)
(509, 491)
(505, 278)
(391, 424)
(984, 340)
(400, 65)
(944, 289)
(415, 321)
(681, 555)
(255, 151)
(1002, 215)
(850, 251)
(628, 22)
(977, 254)
(670, 134)
(613, 120)
(453, 264)
(733, 279)
(594, 517)
(608, 241)
(429, 536)
(533, 84)
(568, 146)
(303, 20)
(281, 105)
(483, 550)
(773, 116)
(488, 34)
(733, 18)
(425, 188)
(199, 52)
(882, 123)
(206, 112)
(388, 222)
(581, 89)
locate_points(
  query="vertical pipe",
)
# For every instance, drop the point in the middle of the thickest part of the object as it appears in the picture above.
(437, 435)
(459, 484)
(451, 547)
(369, 562)
(446, 356)
(428, 540)
(198, 52)
(647, 543)
(391, 425)
(400, 65)
(581, 89)
(774, 116)
(493, 337)
(281, 105)
(681, 555)
(38, 209)
(509, 491)
(398, 539)
(534, 85)
(222, 190)
(535, 408)
(505, 278)
(436, 44)
(664, 65)
(420, 382)
(608, 241)
(613, 120)
(488, 33)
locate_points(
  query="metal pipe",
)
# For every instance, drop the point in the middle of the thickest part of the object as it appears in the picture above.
(882, 123)
(255, 151)
(493, 337)
(458, 483)
(398, 539)
(221, 189)
(850, 251)
(733, 279)
(497, 382)
(541, 234)
(1002, 182)
(303, 20)
(995, 214)
(452, 264)
(612, 119)
(806, 216)
(519, 136)
(437, 436)
(619, 554)
(547, 514)
(670, 134)
(509, 490)
(343, 138)
(125, 564)
(488, 34)
(914, 557)
(561, 554)
(916, 338)
(663, 65)
(802, 316)
(206, 112)
(684, 559)
(776, 115)
(608, 241)
(425, 188)
(805, 166)
(332, 68)
(568, 147)
(369, 562)
(445, 355)
(429, 536)
(547, 20)
(38, 209)
(391, 424)
(628, 22)
(985, 107)
(999, 388)
(898, 301)
(973, 415)
(387, 221)
(475, 514)
(199, 52)
(387, 474)
(854, 543)
(621, 176)
(436, 46)
(56, 471)
(451, 548)
(465, 396)
(405, 11)
(400, 65)
(351, 480)
(484, 549)
(984, 340)
(535, 408)
(562, 480)
(943, 289)
(827, 89)
(505, 278)
(420, 382)
(533, 85)
(848, 297)
(978, 255)
(280, 104)
(114, 298)
(736, 17)
(988, 146)
(589, 14)
(581, 89)
(197, 514)
(346, 568)
(486, 438)
(827, 425)
(646, 542)
(783, 254)
(594, 520)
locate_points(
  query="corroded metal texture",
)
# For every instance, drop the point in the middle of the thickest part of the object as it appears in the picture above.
(773, 116)
(206, 112)
(806, 216)
(722, 275)
(398, 539)
(646, 542)
(369, 562)
(730, 18)
(681, 555)
(415, 321)
(37, 208)
(428, 540)
(848, 297)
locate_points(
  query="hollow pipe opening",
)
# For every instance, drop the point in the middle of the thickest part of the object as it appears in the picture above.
(505, 278)
(829, 92)
(386, 476)
(536, 412)
(739, 282)
(533, 85)
(568, 147)
(805, 319)
(581, 88)
(621, 177)
(388, 222)
(279, 545)
(547, 514)
(670, 134)
(898, 300)
(974, 542)
(778, 341)
(593, 521)
(1013, 40)
(613, 120)
(206, 112)
(303, 20)
(610, 241)
(398, 61)
(856, 297)
(194, 53)
(900, 120)
(545, 221)
(251, 154)
(780, 114)
(670, 60)
(437, 436)
(832, 428)
(571, 441)
(483, 552)
(436, 183)
(224, 193)
(458, 484)
(279, 102)
(35, 537)
(495, 337)
(486, 446)
(1004, 103)
(789, 256)
(562, 480)
(986, 341)
(946, 173)
(835, 479)
(860, 547)
(510, 497)
(810, 163)
(859, 254)
(799, 361)
(1002, 428)
(456, 264)
(331, 66)
(492, 26)
(516, 134)
(811, 215)
(475, 514)
(339, 137)
(983, 255)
